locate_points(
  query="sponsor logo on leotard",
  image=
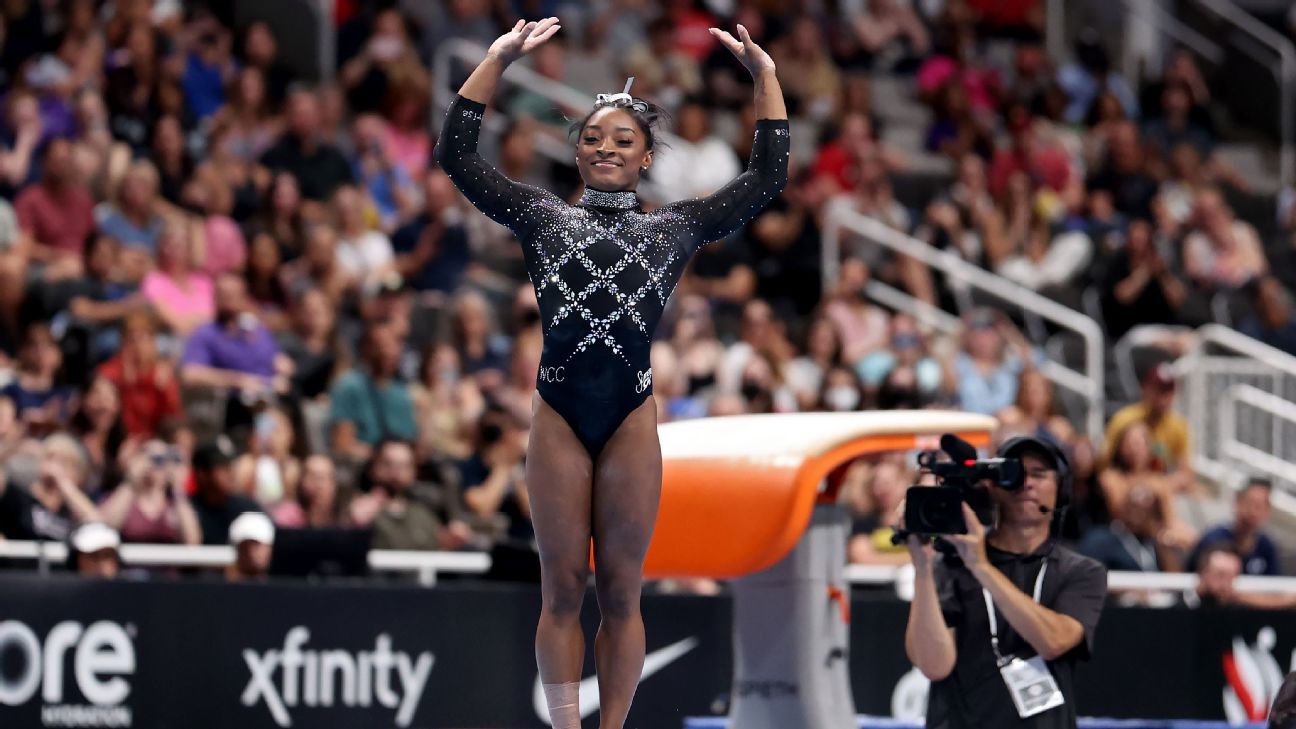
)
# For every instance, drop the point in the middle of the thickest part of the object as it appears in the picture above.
(645, 379)
(553, 374)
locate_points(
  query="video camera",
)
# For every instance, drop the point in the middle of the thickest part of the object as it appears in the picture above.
(938, 510)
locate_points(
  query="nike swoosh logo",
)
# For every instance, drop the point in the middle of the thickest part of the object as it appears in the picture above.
(589, 694)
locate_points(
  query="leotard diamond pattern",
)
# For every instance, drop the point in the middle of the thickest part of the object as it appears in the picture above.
(603, 269)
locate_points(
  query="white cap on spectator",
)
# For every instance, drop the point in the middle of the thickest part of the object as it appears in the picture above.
(95, 536)
(252, 526)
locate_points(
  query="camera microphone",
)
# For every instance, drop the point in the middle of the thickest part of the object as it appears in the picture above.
(958, 449)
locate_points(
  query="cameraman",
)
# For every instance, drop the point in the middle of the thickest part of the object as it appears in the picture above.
(990, 628)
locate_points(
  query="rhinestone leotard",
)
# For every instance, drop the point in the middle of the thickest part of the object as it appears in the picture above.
(603, 269)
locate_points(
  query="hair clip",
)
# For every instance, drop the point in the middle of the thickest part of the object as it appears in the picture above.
(623, 99)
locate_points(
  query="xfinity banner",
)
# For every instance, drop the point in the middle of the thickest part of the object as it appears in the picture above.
(181, 655)
(198, 655)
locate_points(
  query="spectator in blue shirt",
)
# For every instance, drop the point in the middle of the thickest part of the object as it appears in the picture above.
(432, 249)
(41, 400)
(989, 367)
(133, 218)
(208, 69)
(369, 403)
(1250, 513)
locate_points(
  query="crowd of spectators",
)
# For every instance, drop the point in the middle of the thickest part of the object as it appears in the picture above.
(223, 290)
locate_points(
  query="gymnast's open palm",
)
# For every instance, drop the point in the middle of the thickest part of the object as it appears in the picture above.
(753, 57)
(524, 38)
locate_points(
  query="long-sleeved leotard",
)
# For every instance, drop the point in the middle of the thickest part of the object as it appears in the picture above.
(603, 269)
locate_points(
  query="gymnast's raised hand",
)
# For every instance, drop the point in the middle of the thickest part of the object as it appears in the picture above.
(751, 56)
(525, 37)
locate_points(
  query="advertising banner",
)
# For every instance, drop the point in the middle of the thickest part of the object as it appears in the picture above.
(172, 655)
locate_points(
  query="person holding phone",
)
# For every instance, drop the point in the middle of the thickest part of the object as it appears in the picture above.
(150, 505)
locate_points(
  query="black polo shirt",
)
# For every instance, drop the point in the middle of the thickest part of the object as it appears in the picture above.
(319, 170)
(974, 694)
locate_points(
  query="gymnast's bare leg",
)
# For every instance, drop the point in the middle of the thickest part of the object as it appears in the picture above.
(559, 476)
(627, 489)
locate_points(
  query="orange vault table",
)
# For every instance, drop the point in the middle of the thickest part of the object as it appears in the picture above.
(748, 498)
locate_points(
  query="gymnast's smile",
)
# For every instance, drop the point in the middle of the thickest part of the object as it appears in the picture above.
(612, 151)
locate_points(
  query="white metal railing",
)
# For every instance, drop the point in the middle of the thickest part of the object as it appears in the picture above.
(1140, 337)
(425, 565)
(428, 564)
(1233, 446)
(1241, 391)
(925, 314)
(1088, 383)
(881, 575)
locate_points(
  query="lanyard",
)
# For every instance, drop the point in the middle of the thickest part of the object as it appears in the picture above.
(990, 611)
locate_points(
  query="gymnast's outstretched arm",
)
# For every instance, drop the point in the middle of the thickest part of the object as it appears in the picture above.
(507, 202)
(735, 204)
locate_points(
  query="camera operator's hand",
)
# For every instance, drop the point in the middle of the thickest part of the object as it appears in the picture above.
(971, 546)
(921, 551)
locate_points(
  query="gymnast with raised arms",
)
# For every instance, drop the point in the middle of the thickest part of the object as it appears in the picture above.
(603, 270)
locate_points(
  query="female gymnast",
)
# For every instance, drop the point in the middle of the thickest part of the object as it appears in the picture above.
(602, 270)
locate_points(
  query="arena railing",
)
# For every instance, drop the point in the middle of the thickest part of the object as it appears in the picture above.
(882, 575)
(1233, 444)
(1088, 384)
(428, 565)
(1239, 396)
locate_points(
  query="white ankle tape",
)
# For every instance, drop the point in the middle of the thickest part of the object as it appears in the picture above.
(564, 704)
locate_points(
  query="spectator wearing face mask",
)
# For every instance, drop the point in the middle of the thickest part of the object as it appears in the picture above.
(822, 352)
(840, 391)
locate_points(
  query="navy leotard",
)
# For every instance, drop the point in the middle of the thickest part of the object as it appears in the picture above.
(603, 269)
